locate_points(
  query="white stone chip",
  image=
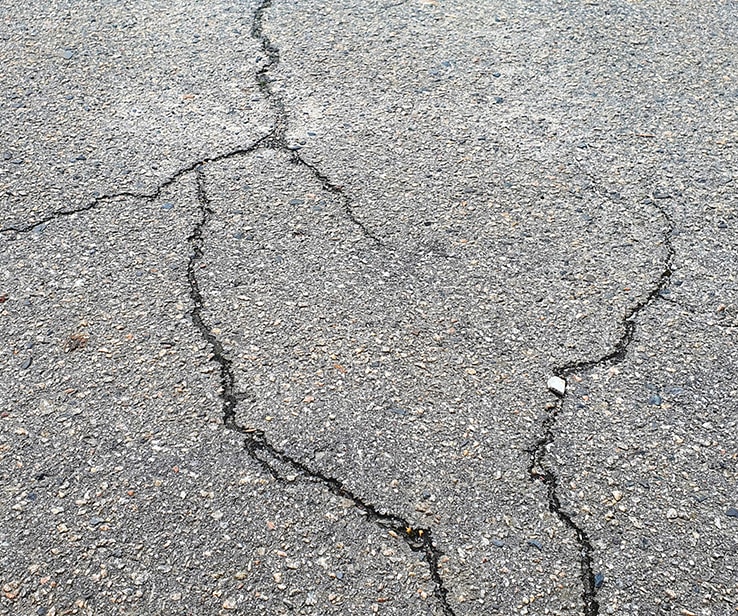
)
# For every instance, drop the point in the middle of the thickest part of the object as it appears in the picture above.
(557, 385)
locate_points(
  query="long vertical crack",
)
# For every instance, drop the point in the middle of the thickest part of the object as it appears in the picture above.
(277, 136)
(539, 471)
(256, 443)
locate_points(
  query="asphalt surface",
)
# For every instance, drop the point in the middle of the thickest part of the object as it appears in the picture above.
(282, 285)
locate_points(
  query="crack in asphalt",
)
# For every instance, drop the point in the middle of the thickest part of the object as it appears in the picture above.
(336, 189)
(277, 139)
(418, 539)
(537, 468)
(539, 472)
(146, 196)
(256, 443)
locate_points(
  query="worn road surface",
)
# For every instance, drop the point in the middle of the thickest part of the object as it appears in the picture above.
(283, 285)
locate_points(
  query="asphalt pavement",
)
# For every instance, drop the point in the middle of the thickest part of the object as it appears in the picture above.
(419, 307)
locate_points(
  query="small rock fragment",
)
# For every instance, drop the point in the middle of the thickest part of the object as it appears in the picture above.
(557, 385)
(732, 512)
(599, 580)
(672, 514)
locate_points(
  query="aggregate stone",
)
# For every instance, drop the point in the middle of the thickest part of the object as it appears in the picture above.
(557, 385)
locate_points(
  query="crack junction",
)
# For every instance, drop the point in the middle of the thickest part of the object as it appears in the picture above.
(277, 138)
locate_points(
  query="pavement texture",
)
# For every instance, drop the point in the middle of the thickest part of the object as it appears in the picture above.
(283, 287)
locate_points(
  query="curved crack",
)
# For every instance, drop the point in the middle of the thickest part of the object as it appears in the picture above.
(537, 469)
(256, 443)
(258, 446)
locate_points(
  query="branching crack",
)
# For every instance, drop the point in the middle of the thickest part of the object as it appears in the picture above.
(256, 443)
(537, 468)
(146, 196)
(418, 539)
(277, 138)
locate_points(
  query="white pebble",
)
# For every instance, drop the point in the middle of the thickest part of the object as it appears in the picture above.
(557, 385)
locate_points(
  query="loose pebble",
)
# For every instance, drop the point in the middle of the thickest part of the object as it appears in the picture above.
(557, 385)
